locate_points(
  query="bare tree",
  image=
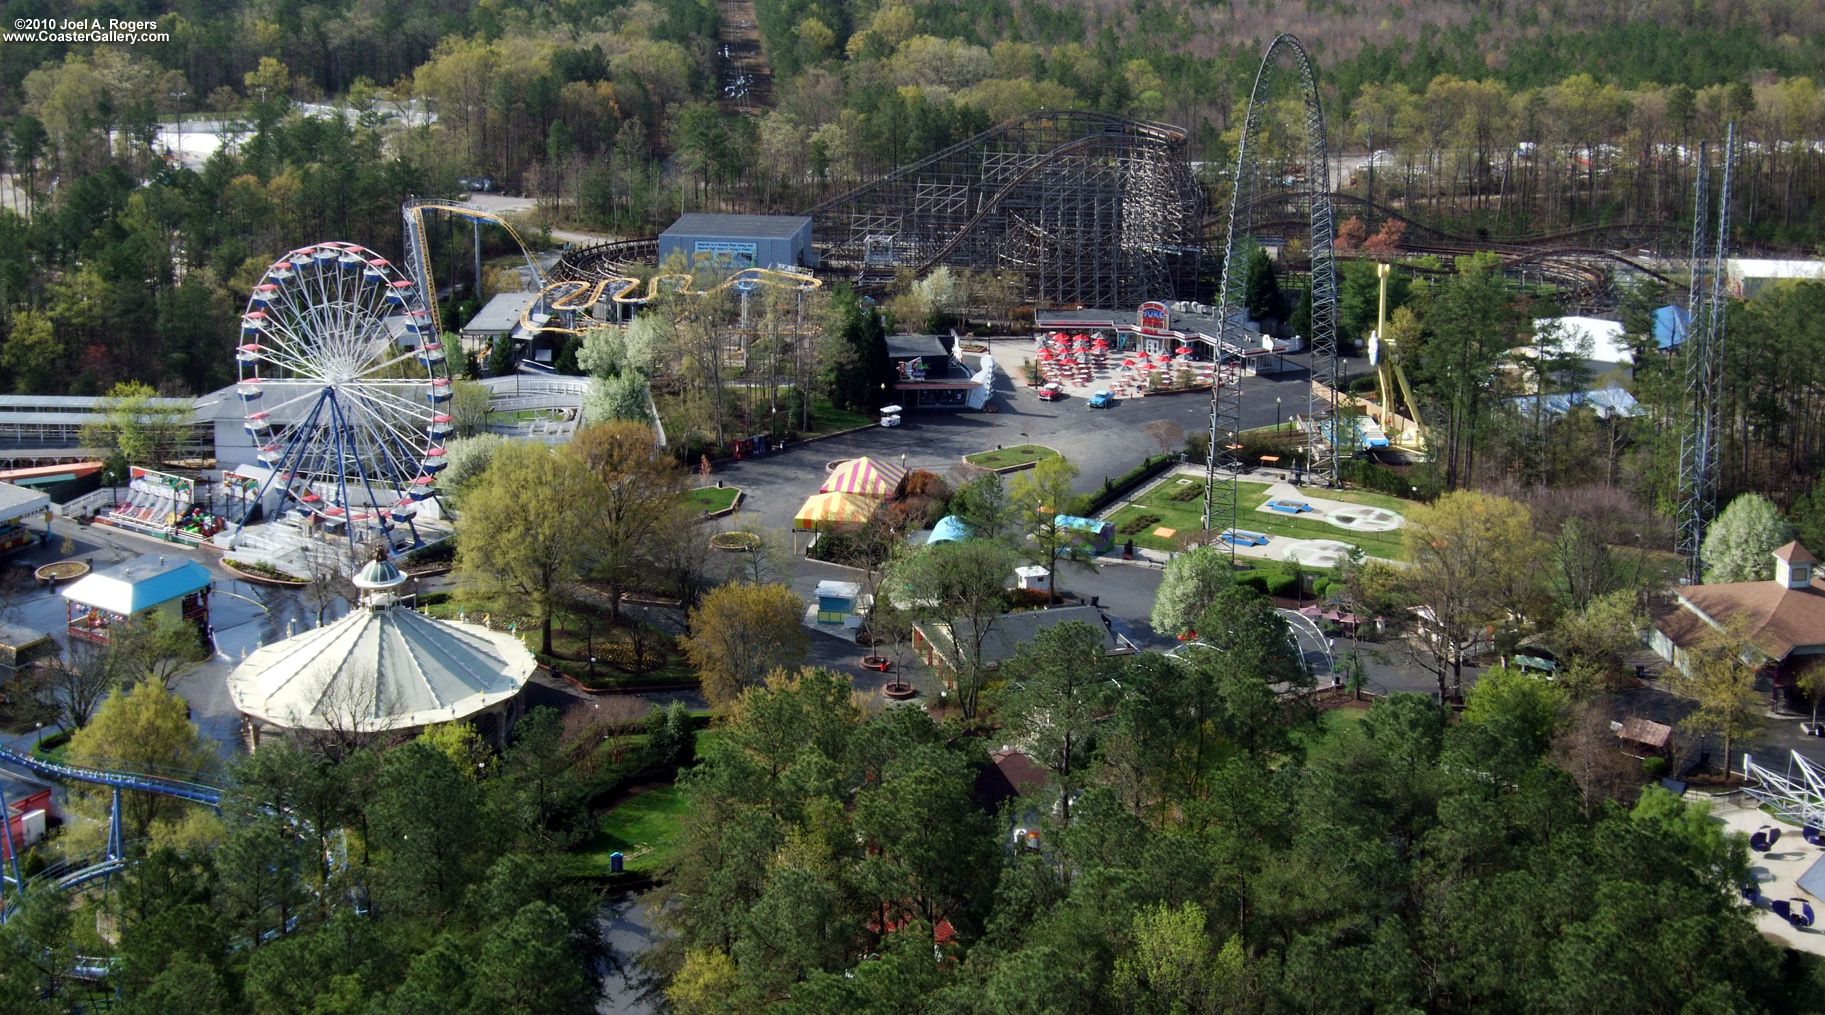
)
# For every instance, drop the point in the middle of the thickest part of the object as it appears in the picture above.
(76, 684)
(348, 719)
(682, 557)
(767, 560)
(1590, 752)
(1166, 434)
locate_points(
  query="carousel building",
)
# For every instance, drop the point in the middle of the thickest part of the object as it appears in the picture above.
(384, 668)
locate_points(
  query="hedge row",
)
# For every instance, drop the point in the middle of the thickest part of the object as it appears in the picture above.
(1420, 484)
(1115, 489)
(1272, 581)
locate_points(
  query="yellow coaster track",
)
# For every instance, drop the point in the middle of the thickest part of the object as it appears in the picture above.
(578, 296)
(572, 296)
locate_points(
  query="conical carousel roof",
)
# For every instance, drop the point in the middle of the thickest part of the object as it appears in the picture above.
(380, 668)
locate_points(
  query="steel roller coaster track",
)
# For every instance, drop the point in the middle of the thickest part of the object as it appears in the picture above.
(118, 776)
(1312, 199)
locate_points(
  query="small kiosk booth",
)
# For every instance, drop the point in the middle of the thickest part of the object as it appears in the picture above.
(172, 588)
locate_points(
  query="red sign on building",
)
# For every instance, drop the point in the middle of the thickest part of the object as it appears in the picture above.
(1154, 317)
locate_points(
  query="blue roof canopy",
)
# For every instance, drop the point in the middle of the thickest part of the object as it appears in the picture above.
(1085, 524)
(1671, 324)
(139, 584)
(948, 529)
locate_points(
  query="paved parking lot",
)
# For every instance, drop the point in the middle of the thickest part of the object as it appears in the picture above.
(1100, 442)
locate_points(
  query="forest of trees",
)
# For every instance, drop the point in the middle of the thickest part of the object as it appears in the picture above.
(1254, 858)
(114, 265)
(1201, 844)
(342, 875)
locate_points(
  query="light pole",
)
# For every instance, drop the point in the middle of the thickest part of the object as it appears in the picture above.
(1276, 412)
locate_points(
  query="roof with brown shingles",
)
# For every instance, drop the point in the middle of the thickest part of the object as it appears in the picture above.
(1645, 731)
(1794, 553)
(1778, 619)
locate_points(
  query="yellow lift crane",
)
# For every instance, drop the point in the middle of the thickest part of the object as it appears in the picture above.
(1384, 356)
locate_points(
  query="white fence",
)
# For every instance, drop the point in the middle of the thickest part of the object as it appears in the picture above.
(87, 504)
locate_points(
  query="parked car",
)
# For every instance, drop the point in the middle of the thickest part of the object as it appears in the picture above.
(890, 415)
(1051, 392)
(1101, 400)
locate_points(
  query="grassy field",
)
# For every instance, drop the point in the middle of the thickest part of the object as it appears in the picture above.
(1330, 723)
(643, 829)
(1020, 454)
(827, 418)
(522, 416)
(712, 498)
(1186, 515)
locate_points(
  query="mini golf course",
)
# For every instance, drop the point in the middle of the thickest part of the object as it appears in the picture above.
(1332, 522)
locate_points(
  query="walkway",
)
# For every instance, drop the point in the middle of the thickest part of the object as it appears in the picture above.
(1775, 871)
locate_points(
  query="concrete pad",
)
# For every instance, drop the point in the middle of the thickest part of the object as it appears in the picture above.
(1344, 515)
(1316, 552)
(1776, 873)
(1165, 533)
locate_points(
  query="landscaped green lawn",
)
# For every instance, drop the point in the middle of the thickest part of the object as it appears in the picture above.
(522, 415)
(644, 829)
(827, 418)
(1331, 722)
(712, 498)
(1187, 516)
(1019, 454)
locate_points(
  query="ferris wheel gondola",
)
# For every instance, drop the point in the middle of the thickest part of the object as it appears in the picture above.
(345, 388)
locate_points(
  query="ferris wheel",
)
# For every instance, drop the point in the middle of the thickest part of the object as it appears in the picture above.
(346, 390)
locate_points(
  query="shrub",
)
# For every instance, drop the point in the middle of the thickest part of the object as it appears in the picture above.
(920, 483)
(264, 570)
(1028, 599)
(1420, 482)
(1654, 768)
(441, 552)
(1138, 524)
(1185, 493)
(1281, 584)
(1256, 580)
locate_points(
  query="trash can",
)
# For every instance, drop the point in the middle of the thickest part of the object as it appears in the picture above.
(615, 862)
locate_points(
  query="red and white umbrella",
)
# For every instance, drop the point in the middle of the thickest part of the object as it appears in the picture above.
(1183, 350)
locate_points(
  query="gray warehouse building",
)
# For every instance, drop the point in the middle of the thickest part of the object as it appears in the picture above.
(740, 241)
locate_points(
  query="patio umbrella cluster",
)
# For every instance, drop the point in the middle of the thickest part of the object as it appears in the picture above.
(1141, 372)
(1071, 358)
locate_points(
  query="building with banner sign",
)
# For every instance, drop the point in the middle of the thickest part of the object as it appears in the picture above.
(739, 241)
(163, 505)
